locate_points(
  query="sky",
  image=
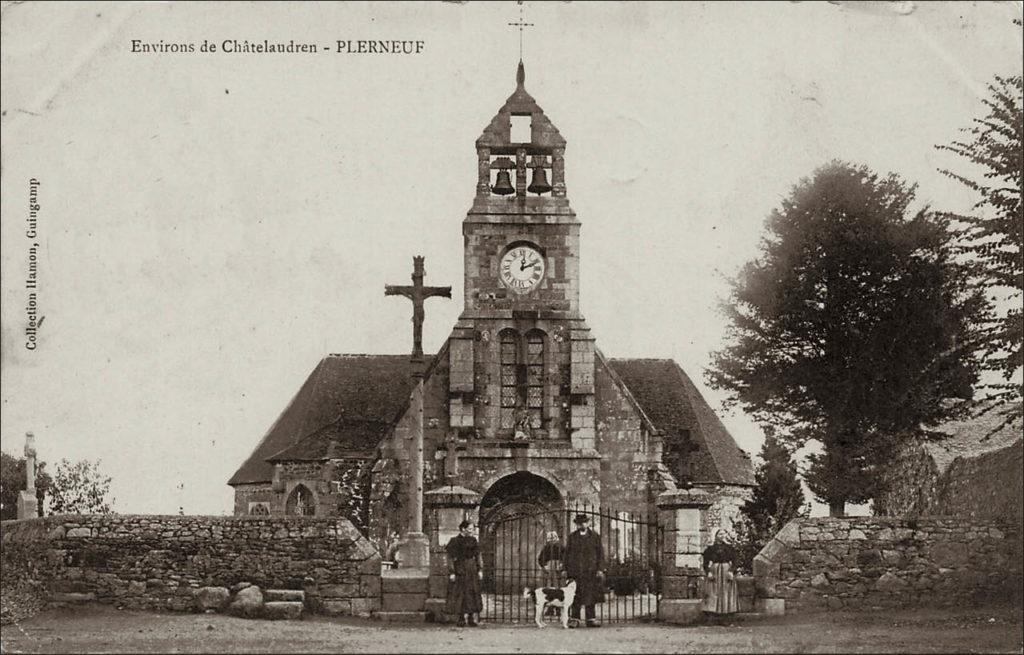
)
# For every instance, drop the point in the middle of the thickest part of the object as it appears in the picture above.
(212, 224)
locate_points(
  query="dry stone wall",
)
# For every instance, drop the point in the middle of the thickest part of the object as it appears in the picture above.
(868, 562)
(160, 562)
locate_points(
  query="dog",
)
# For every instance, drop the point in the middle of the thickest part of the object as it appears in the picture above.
(544, 597)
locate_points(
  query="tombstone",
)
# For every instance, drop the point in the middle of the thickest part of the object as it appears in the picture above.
(28, 505)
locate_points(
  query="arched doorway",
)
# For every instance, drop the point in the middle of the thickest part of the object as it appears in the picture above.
(515, 514)
(300, 502)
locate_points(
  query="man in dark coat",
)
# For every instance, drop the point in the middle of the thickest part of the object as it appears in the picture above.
(584, 563)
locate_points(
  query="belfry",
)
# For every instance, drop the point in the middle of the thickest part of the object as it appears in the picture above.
(520, 407)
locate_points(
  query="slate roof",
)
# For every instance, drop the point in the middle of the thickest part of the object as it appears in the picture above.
(345, 406)
(674, 404)
(350, 402)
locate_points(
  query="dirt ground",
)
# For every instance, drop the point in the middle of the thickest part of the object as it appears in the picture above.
(101, 629)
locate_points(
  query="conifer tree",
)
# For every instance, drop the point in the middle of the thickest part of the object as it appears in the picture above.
(852, 328)
(777, 498)
(992, 236)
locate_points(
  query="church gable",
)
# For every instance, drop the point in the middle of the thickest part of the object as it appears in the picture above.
(695, 441)
(346, 404)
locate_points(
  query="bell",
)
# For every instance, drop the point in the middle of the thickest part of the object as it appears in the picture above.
(539, 184)
(504, 185)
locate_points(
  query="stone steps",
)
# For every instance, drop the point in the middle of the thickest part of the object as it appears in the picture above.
(283, 604)
(404, 594)
(282, 610)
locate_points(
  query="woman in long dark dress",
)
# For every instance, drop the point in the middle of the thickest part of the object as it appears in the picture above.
(720, 595)
(465, 569)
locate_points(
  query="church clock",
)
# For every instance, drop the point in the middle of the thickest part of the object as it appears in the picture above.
(522, 268)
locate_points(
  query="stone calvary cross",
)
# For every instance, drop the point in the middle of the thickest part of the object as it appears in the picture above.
(417, 293)
(413, 547)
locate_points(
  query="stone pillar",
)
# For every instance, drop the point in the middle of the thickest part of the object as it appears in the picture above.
(582, 410)
(413, 547)
(28, 504)
(684, 515)
(448, 506)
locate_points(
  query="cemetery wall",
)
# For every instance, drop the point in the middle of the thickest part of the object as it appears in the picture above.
(877, 562)
(159, 562)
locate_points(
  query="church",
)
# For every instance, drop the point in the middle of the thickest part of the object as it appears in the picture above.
(520, 405)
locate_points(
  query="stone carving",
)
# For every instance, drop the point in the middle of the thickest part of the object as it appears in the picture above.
(521, 426)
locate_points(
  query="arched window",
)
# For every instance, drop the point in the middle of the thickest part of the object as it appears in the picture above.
(510, 373)
(522, 377)
(300, 502)
(535, 377)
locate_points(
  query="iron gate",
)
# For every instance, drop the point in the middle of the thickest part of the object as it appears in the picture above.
(512, 541)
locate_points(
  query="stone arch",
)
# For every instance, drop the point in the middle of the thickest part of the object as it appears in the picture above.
(549, 477)
(301, 501)
(515, 512)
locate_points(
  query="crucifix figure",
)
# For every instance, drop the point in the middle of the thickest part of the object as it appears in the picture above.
(417, 293)
(414, 548)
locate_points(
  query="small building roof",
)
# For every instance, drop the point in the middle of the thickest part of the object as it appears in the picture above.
(973, 436)
(674, 405)
(345, 407)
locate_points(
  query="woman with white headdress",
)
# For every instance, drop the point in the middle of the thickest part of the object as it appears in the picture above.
(720, 577)
(551, 560)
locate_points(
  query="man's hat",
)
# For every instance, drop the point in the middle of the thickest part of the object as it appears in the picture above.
(581, 518)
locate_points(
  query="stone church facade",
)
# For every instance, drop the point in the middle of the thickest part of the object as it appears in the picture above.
(520, 405)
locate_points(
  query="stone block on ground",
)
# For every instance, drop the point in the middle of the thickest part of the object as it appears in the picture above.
(280, 610)
(212, 598)
(680, 611)
(771, 606)
(248, 602)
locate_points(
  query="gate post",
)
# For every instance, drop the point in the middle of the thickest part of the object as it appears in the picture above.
(447, 507)
(684, 515)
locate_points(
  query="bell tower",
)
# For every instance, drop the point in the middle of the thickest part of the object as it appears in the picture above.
(522, 358)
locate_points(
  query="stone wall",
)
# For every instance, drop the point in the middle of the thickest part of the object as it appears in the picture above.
(627, 452)
(157, 562)
(974, 471)
(987, 486)
(869, 562)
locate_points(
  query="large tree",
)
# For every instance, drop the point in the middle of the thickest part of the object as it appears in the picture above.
(991, 237)
(13, 481)
(80, 488)
(852, 327)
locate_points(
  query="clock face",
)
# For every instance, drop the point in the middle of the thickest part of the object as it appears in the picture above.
(522, 268)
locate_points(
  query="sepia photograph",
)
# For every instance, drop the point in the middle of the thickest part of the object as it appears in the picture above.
(519, 326)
